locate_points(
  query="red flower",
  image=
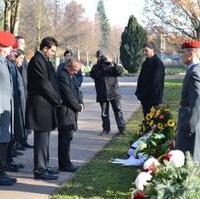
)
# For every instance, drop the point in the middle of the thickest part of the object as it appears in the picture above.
(161, 117)
(167, 156)
(139, 195)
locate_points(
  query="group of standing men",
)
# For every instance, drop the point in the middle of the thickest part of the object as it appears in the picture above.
(48, 97)
(150, 92)
(13, 95)
(50, 100)
(53, 100)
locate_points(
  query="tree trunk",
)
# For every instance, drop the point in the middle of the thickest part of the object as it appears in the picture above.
(16, 17)
(11, 15)
(7, 15)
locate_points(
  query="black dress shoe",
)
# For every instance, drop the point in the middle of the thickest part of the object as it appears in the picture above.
(27, 145)
(15, 153)
(44, 175)
(104, 132)
(19, 166)
(10, 178)
(19, 147)
(52, 170)
(72, 168)
(7, 181)
(12, 168)
(122, 131)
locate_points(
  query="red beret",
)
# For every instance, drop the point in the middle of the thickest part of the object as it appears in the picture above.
(7, 39)
(15, 45)
(191, 44)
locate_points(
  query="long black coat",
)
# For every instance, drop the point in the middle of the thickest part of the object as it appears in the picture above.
(105, 78)
(71, 102)
(150, 83)
(19, 100)
(43, 97)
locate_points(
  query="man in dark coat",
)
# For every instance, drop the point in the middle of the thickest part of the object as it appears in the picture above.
(68, 55)
(42, 101)
(21, 45)
(188, 133)
(150, 83)
(105, 76)
(67, 114)
(19, 107)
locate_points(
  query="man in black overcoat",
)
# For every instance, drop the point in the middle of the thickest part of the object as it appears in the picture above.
(150, 83)
(43, 99)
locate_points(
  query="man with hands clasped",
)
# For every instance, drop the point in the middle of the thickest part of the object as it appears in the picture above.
(72, 103)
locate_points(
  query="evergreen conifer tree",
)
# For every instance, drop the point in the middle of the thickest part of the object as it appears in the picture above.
(132, 41)
(104, 25)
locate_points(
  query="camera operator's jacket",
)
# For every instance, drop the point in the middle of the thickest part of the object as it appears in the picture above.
(105, 76)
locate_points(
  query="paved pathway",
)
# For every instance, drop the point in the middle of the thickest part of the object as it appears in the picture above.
(85, 145)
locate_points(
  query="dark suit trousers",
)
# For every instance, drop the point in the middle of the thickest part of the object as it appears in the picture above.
(41, 150)
(3, 157)
(116, 106)
(64, 150)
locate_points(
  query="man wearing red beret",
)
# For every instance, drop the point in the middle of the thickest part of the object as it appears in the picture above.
(7, 40)
(188, 135)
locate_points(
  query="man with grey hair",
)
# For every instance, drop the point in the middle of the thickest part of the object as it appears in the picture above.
(72, 103)
(188, 135)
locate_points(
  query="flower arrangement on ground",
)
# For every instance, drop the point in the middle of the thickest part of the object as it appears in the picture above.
(174, 176)
(162, 127)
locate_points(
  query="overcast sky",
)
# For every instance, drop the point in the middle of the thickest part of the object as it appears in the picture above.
(117, 11)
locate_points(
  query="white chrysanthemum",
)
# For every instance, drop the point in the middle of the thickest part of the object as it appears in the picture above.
(142, 179)
(177, 158)
(151, 164)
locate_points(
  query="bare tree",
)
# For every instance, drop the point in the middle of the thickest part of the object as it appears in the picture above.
(11, 15)
(35, 22)
(71, 25)
(181, 16)
(114, 43)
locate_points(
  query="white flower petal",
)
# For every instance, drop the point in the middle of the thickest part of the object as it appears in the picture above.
(149, 162)
(141, 180)
(177, 158)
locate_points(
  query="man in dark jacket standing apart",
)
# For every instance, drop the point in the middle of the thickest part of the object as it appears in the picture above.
(188, 131)
(42, 101)
(72, 103)
(150, 83)
(105, 75)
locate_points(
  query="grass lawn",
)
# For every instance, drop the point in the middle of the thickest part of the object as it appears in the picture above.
(99, 179)
(172, 70)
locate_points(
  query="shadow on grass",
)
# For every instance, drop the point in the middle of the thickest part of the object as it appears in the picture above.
(102, 179)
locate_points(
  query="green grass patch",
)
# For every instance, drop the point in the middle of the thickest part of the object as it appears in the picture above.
(100, 179)
(173, 70)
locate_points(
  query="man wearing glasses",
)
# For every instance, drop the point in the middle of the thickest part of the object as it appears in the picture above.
(188, 135)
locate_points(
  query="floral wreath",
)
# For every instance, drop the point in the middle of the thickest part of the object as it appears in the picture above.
(160, 125)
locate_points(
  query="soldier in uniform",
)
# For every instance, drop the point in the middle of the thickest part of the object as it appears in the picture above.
(188, 135)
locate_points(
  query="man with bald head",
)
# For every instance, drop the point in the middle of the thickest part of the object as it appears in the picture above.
(188, 135)
(72, 103)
